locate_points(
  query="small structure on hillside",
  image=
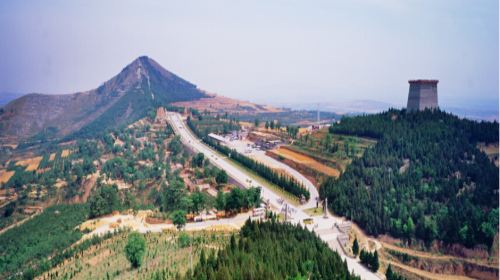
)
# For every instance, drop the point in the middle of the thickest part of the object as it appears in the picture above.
(422, 95)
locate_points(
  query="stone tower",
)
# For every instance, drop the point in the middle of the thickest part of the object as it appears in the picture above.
(423, 95)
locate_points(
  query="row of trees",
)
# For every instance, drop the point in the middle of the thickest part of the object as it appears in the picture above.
(290, 129)
(425, 178)
(272, 250)
(370, 260)
(218, 124)
(272, 125)
(288, 183)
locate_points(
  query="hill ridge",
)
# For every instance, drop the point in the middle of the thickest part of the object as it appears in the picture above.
(142, 82)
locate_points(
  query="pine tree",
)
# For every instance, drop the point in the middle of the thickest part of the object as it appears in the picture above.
(375, 262)
(355, 247)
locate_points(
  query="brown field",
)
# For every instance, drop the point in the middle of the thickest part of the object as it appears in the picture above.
(52, 156)
(490, 149)
(30, 163)
(305, 160)
(225, 104)
(5, 176)
(65, 153)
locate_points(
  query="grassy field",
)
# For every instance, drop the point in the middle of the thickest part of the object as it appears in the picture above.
(164, 254)
(315, 211)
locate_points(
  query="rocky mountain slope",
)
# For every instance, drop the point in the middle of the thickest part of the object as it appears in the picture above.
(139, 87)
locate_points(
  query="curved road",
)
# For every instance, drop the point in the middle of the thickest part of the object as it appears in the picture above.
(324, 227)
(261, 157)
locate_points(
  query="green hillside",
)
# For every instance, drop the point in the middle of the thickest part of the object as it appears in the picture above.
(425, 178)
(157, 87)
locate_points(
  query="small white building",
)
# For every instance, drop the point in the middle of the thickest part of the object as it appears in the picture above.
(217, 138)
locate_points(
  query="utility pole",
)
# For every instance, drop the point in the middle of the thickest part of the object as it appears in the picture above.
(286, 212)
(317, 116)
(325, 210)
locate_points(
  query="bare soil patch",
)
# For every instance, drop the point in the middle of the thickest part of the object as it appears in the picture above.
(5, 176)
(31, 164)
(305, 160)
(65, 153)
(229, 105)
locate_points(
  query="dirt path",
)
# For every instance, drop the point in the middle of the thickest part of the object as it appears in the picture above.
(20, 222)
(432, 256)
(429, 275)
(89, 184)
(419, 254)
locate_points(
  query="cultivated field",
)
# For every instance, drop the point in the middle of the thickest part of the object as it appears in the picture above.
(306, 160)
(30, 163)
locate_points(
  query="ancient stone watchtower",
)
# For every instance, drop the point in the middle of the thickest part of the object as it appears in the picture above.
(423, 95)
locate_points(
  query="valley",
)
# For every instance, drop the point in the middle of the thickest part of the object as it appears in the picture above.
(176, 164)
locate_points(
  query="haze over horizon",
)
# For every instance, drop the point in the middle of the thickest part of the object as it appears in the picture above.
(286, 51)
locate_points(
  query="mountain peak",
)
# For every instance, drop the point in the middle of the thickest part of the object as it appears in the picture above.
(141, 86)
(142, 68)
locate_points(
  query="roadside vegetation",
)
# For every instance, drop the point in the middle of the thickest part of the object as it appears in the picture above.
(288, 183)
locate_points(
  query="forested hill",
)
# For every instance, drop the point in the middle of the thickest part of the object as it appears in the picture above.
(272, 250)
(425, 178)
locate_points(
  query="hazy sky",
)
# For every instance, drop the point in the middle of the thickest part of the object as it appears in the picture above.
(264, 51)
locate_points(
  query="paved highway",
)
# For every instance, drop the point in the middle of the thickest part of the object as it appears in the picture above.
(260, 155)
(323, 226)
